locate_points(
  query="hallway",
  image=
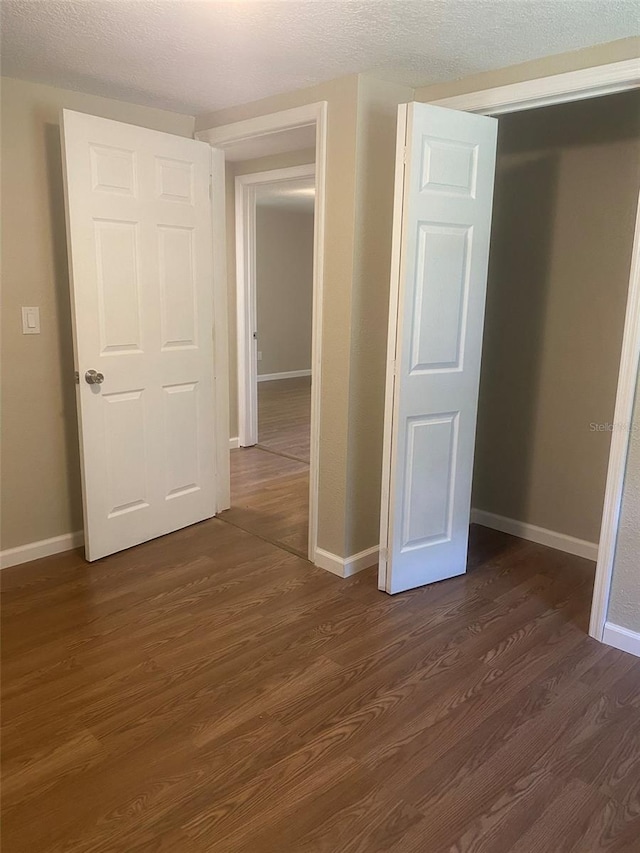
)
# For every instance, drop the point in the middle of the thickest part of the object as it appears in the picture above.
(270, 482)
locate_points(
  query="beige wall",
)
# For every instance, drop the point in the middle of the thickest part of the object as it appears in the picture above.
(284, 288)
(341, 97)
(564, 210)
(246, 167)
(40, 468)
(376, 146)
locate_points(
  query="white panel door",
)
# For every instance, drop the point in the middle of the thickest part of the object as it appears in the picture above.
(444, 192)
(139, 236)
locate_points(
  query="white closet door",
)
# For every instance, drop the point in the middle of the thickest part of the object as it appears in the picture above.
(444, 192)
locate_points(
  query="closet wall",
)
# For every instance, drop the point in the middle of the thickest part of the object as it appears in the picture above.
(565, 201)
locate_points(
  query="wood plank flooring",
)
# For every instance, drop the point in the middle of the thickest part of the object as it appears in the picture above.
(209, 691)
(270, 497)
(284, 416)
(270, 482)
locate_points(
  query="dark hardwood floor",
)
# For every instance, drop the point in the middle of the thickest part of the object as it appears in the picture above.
(270, 482)
(284, 417)
(270, 497)
(209, 691)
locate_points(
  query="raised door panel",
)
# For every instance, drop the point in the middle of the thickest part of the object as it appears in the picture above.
(429, 478)
(125, 452)
(441, 297)
(180, 404)
(449, 167)
(174, 180)
(178, 294)
(113, 170)
(118, 286)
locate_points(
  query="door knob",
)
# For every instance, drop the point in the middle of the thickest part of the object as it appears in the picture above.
(93, 377)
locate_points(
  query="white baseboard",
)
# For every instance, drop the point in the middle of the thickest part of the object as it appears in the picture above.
(43, 548)
(344, 567)
(290, 374)
(560, 541)
(621, 638)
(234, 442)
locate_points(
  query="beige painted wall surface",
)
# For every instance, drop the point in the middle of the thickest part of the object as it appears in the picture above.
(40, 464)
(576, 60)
(624, 605)
(564, 211)
(341, 97)
(284, 288)
(246, 167)
(376, 149)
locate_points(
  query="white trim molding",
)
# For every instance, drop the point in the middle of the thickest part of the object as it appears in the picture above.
(234, 442)
(288, 374)
(42, 548)
(533, 533)
(227, 135)
(545, 91)
(621, 638)
(344, 567)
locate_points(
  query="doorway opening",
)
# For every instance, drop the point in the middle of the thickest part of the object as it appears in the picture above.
(565, 201)
(274, 236)
(284, 306)
(568, 88)
(273, 170)
(274, 262)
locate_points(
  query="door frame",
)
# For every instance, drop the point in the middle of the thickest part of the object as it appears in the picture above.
(246, 187)
(223, 137)
(220, 337)
(560, 89)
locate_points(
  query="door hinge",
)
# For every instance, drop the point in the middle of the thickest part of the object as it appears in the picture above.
(76, 374)
(384, 554)
(404, 155)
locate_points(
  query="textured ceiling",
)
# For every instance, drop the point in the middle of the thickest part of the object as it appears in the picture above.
(199, 55)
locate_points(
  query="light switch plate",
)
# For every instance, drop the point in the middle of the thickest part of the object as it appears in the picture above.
(30, 321)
